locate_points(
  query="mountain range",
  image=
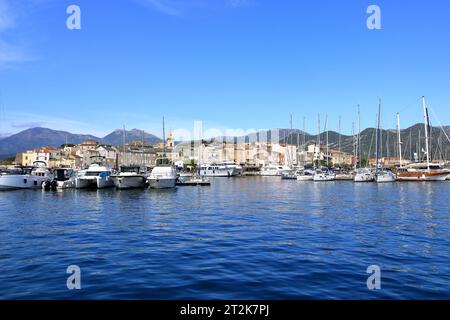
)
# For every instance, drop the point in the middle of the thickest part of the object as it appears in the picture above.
(40, 137)
(440, 144)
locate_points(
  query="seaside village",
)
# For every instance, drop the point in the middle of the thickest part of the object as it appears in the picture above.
(252, 156)
(137, 164)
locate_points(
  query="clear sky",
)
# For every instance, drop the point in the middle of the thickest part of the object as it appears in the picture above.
(231, 63)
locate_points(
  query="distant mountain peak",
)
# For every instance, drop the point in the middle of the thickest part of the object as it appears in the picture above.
(37, 137)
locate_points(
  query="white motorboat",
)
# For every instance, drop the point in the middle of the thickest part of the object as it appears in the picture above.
(322, 175)
(63, 178)
(163, 175)
(290, 175)
(129, 177)
(364, 175)
(237, 169)
(26, 177)
(306, 175)
(385, 176)
(217, 170)
(96, 176)
(274, 170)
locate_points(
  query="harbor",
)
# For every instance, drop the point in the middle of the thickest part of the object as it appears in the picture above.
(271, 238)
(224, 159)
(170, 170)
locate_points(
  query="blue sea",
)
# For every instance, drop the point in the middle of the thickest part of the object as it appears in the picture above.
(240, 238)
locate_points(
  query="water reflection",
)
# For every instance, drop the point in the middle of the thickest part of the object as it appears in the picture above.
(266, 237)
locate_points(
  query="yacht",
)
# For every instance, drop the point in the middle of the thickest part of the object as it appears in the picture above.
(385, 176)
(26, 178)
(163, 175)
(422, 172)
(129, 177)
(364, 175)
(290, 175)
(306, 175)
(237, 169)
(323, 175)
(217, 170)
(275, 170)
(63, 178)
(344, 175)
(96, 176)
(427, 171)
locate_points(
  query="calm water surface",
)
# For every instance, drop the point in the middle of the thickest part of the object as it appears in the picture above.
(243, 238)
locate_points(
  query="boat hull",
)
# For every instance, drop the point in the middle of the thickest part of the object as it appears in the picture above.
(423, 176)
(129, 182)
(385, 178)
(84, 183)
(68, 184)
(218, 173)
(323, 178)
(162, 183)
(305, 178)
(16, 182)
(364, 178)
(344, 177)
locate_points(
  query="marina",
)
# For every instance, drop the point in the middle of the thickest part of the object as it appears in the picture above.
(195, 243)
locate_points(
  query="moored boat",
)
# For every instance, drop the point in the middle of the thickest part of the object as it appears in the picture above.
(26, 177)
(96, 176)
(364, 175)
(324, 175)
(63, 178)
(273, 170)
(163, 175)
(129, 177)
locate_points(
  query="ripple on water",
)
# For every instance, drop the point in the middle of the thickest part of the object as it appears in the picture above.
(252, 238)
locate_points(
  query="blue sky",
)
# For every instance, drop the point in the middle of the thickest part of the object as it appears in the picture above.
(232, 63)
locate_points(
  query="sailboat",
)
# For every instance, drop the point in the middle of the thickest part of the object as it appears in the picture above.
(424, 171)
(381, 175)
(361, 174)
(163, 175)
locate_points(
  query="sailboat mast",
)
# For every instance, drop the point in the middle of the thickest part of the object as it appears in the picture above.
(354, 145)
(123, 144)
(304, 133)
(425, 121)
(399, 140)
(326, 130)
(377, 139)
(318, 139)
(290, 141)
(358, 146)
(410, 145)
(419, 152)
